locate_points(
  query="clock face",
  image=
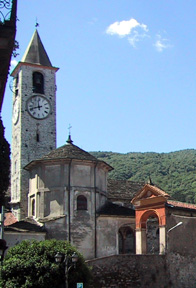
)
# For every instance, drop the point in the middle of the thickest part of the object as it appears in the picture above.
(15, 112)
(38, 107)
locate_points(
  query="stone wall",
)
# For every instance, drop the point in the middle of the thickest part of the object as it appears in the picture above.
(182, 270)
(129, 271)
(142, 271)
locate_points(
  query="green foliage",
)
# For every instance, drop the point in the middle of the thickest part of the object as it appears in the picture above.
(32, 264)
(4, 165)
(173, 172)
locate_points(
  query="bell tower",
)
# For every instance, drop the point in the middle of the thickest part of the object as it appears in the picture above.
(33, 118)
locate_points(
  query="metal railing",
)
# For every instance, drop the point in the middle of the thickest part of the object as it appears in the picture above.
(5, 10)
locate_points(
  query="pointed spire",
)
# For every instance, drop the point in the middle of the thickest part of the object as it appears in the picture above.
(36, 53)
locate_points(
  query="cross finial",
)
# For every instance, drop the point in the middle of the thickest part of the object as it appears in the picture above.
(36, 23)
(69, 141)
(69, 128)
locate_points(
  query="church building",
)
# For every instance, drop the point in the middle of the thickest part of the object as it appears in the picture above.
(64, 193)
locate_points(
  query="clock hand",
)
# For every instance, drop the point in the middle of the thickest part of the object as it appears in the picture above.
(39, 105)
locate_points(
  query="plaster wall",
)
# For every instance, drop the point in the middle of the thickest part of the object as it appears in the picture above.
(56, 228)
(13, 239)
(55, 193)
(82, 222)
(107, 233)
(182, 238)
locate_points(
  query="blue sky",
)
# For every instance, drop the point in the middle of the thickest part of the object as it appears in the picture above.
(127, 78)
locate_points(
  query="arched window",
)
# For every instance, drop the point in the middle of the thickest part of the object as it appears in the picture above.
(126, 240)
(38, 83)
(81, 203)
(33, 207)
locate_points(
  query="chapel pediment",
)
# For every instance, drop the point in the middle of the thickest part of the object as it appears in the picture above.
(149, 195)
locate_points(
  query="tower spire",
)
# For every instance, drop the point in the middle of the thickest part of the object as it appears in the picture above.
(35, 52)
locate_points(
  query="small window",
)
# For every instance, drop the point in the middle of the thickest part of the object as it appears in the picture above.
(33, 207)
(81, 203)
(38, 83)
(37, 137)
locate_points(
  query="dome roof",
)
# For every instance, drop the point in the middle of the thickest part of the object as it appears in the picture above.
(68, 151)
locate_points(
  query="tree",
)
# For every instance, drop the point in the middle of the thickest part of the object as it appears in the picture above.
(32, 264)
(4, 164)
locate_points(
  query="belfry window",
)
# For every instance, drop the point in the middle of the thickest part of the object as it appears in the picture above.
(81, 203)
(38, 83)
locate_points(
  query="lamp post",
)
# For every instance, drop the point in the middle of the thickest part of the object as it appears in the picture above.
(3, 247)
(178, 224)
(69, 262)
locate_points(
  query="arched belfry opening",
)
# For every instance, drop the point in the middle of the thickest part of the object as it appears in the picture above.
(149, 204)
(149, 227)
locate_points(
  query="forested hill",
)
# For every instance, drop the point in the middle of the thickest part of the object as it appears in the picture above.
(174, 172)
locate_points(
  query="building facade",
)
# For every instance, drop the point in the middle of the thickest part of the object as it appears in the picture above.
(64, 192)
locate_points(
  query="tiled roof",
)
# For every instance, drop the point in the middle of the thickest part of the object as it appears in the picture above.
(178, 204)
(111, 209)
(9, 219)
(154, 189)
(122, 190)
(69, 151)
(27, 225)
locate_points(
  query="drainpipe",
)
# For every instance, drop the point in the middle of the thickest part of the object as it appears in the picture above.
(2, 223)
(69, 204)
(95, 183)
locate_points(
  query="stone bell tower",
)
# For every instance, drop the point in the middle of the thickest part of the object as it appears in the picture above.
(33, 118)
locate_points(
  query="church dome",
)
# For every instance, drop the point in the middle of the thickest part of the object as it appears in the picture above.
(69, 151)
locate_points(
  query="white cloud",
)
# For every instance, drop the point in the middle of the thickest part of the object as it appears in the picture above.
(136, 37)
(135, 32)
(125, 28)
(14, 62)
(162, 43)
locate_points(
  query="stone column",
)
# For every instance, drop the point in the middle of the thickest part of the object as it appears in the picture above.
(162, 240)
(141, 241)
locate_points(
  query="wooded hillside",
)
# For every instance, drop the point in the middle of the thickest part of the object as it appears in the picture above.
(173, 172)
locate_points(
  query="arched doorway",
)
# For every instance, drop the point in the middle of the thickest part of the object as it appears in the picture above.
(126, 238)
